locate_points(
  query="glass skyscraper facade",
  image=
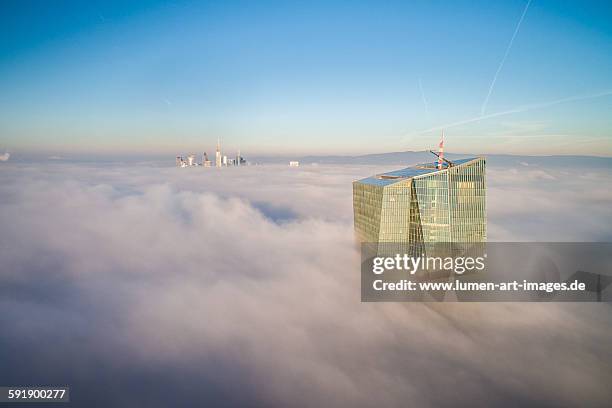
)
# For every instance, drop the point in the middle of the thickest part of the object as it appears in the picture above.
(423, 204)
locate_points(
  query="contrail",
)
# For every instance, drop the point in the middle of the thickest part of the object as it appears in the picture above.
(423, 97)
(501, 64)
(519, 109)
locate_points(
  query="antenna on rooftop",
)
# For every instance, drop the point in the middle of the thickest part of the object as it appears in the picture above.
(440, 155)
(441, 151)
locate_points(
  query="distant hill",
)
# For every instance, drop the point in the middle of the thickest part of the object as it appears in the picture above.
(410, 157)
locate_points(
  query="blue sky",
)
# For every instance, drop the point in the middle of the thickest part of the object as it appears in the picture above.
(308, 77)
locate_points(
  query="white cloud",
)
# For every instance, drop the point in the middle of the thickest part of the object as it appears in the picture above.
(5, 156)
(242, 287)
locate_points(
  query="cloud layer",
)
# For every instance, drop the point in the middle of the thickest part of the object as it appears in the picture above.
(146, 286)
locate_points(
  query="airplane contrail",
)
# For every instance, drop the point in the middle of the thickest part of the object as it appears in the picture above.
(423, 97)
(503, 61)
(519, 109)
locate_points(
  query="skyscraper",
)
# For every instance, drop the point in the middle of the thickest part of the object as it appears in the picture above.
(218, 154)
(191, 160)
(429, 203)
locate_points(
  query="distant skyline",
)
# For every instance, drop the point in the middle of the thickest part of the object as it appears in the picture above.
(284, 78)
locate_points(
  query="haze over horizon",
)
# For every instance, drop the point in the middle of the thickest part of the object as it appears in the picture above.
(151, 77)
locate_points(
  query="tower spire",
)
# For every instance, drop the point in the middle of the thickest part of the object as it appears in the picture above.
(441, 153)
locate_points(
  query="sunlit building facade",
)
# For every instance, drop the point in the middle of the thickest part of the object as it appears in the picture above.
(429, 203)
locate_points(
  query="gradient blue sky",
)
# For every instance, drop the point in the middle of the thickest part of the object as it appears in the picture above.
(301, 78)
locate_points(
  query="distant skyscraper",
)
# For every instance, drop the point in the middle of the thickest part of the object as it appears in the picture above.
(440, 202)
(220, 159)
(218, 154)
(191, 160)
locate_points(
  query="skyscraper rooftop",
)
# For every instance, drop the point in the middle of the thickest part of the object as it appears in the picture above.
(395, 176)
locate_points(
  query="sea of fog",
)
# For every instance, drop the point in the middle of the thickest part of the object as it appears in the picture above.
(151, 285)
